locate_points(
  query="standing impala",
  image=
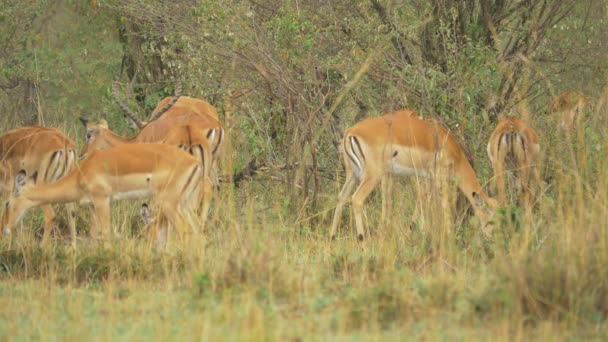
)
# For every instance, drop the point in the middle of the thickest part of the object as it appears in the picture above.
(569, 106)
(188, 123)
(401, 143)
(170, 112)
(163, 172)
(513, 147)
(44, 151)
(168, 107)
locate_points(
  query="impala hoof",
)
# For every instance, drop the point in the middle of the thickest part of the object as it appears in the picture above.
(360, 237)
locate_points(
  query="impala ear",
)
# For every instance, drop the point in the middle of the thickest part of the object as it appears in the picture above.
(146, 215)
(478, 200)
(20, 181)
(83, 121)
(490, 203)
(102, 124)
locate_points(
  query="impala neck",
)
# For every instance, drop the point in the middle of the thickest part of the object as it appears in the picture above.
(469, 183)
(111, 139)
(65, 190)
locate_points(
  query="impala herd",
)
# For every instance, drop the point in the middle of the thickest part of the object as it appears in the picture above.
(173, 159)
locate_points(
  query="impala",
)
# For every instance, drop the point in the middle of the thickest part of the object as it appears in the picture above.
(184, 104)
(163, 172)
(168, 107)
(43, 151)
(401, 143)
(513, 147)
(569, 105)
(170, 112)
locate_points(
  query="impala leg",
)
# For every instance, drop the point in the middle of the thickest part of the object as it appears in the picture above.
(207, 195)
(94, 231)
(499, 180)
(49, 219)
(346, 190)
(203, 192)
(387, 187)
(423, 188)
(158, 232)
(538, 183)
(365, 188)
(191, 203)
(189, 207)
(102, 215)
(70, 208)
(214, 174)
(524, 175)
(171, 211)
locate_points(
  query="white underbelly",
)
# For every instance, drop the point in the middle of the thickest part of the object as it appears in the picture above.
(135, 194)
(404, 170)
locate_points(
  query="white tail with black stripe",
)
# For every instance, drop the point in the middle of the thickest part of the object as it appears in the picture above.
(514, 148)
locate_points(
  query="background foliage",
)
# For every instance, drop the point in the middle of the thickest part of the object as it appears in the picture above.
(288, 77)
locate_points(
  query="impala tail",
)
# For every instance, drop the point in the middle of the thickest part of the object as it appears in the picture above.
(215, 136)
(193, 140)
(512, 143)
(60, 163)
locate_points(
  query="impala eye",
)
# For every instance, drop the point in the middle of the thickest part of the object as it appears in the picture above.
(87, 137)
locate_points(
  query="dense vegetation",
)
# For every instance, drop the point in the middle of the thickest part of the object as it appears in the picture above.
(287, 79)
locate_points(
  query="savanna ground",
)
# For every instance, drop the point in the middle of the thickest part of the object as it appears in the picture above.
(287, 78)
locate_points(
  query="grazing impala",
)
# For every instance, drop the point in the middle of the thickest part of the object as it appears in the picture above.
(184, 104)
(401, 143)
(569, 106)
(170, 112)
(191, 124)
(163, 172)
(44, 151)
(168, 107)
(201, 137)
(99, 136)
(513, 146)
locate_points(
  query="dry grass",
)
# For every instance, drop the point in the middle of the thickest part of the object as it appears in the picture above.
(259, 275)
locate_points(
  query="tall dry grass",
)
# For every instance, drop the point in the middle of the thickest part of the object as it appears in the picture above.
(258, 274)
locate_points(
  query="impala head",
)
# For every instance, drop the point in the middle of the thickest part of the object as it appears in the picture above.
(17, 204)
(92, 140)
(485, 208)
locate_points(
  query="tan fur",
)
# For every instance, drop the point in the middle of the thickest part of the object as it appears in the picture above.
(568, 106)
(514, 146)
(186, 105)
(163, 172)
(192, 138)
(100, 137)
(188, 123)
(402, 143)
(44, 151)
